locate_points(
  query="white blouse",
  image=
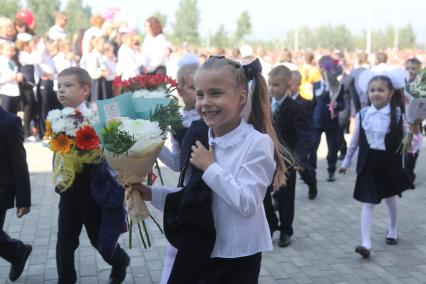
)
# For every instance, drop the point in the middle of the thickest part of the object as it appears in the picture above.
(376, 124)
(243, 170)
(171, 158)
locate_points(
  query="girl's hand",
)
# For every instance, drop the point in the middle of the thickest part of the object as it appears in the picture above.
(144, 190)
(201, 158)
(342, 171)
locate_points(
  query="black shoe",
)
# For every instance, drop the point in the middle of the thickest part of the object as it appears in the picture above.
(284, 240)
(313, 192)
(331, 177)
(392, 241)
(118, 271)
(363, 251)
(18, 266)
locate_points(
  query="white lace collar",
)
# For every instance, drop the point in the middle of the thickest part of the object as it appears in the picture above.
(232, 138)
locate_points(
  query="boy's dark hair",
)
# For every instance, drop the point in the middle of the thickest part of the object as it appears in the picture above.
(414, 60)
(382, 57)
(82, 75)
(281, 71)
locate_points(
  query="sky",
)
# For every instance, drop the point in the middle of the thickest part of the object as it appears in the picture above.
(271, 19)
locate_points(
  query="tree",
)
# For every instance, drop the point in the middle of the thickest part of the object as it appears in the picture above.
(243, 26)
(161, 17)
(9, 8)
(220, 38)
(187, 20)
(78, 16)
(44, 11)
(342, 38)
(407, 37)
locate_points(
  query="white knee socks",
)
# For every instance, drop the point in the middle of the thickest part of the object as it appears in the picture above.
(366, 222)
(393, 210)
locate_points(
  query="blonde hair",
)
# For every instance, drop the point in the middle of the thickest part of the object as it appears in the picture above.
(184, 72)
(260, 115)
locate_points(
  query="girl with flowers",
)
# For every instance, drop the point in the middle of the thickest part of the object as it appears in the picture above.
(89, 195)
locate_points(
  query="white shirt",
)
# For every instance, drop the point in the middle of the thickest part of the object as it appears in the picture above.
(171, 158)
(243, 170)
(127, 62)
(8, 70)
(56, 32)
(376, 124)
(154, 50)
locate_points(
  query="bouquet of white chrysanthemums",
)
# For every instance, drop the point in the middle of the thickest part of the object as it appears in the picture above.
(132, 146)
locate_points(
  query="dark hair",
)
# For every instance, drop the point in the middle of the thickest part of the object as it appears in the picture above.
(155, 25)
(397, 101)
(83, 77)
(382, 57)
(414, 60)
(260, 115)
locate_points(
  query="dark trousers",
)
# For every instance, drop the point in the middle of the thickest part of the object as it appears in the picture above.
(29, 107)
(234, 270)
(108, 89)
(285, 197)
(341, 142)
(331, 136)
(73, 214)
(47, 101)
(9, 247)
(410, 160)
(10, 104)
(308, 176)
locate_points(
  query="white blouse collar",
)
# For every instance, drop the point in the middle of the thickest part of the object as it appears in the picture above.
(189, 116)
(232, 138)
(384, 110)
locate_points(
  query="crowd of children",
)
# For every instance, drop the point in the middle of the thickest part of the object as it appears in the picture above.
(243, 142)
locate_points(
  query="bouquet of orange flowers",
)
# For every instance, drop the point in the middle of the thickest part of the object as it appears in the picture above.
(74, 142)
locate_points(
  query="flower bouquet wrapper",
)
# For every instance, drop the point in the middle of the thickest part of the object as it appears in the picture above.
(416, 110)
(133, 169)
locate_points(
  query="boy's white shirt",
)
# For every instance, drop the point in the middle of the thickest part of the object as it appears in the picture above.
(243, 170)
(376, 124)
(8, 84)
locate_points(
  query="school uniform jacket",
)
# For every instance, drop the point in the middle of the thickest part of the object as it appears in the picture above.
(322, 116)
(14, 176)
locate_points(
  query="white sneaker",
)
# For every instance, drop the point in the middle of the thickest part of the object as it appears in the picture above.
(31, 139)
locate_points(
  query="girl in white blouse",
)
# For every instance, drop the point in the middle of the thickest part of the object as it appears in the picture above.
(238, 167)
(379, 129)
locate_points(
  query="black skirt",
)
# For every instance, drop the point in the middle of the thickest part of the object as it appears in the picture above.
(378, 180)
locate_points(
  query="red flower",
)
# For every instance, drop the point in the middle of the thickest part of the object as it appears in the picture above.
(86, 138)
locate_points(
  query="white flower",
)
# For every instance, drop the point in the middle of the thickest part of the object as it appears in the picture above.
(58, 126)
(87, 113)
(54, 115)
(155, 94)
(68, 111)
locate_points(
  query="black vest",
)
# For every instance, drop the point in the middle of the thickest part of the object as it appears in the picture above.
(391, 144)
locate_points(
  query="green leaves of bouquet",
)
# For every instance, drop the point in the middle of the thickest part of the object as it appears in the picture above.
(116, 141)
(168, 116)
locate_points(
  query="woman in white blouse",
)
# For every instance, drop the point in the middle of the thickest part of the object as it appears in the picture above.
(238, 168)
(378, 132)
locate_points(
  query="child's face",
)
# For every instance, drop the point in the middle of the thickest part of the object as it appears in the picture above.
(278, 86)
(219, 101)
(9, 51)
(70, 92)
(413, 69)
(187, 92)
(379, 93)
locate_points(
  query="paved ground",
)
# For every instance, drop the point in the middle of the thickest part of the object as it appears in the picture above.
(326, 232)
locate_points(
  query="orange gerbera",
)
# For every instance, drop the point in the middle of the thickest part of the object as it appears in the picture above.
(86, 138)
(61, 144)
(48, 129)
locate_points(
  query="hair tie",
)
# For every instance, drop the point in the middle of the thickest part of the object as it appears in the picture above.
(252, 69)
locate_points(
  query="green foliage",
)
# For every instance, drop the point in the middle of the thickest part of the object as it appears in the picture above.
(243, 26)
(78, 16)
(187, 21)
(168, 117)
(115, 140)
(9, 8)
(220, 38)
(44, 11)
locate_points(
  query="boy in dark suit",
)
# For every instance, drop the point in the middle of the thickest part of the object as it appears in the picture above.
(306, 172)
(328, 102)
(77, 206)
(14, 185)
(292, 126)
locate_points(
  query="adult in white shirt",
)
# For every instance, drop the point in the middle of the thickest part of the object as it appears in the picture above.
(57, 31)
(94, 31)
(155, 48)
